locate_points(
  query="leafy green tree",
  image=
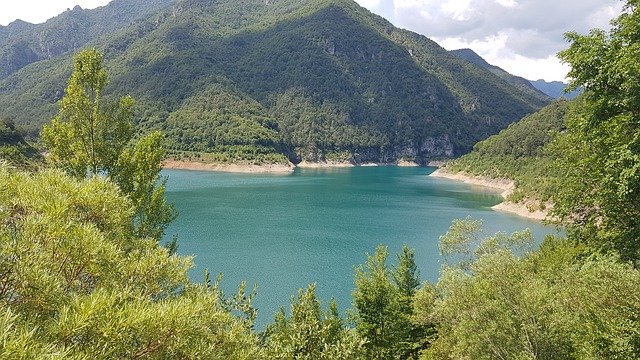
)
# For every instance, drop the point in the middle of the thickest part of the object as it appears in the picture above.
(383, 308)
(599, 201)
(310, 333)
(138, 175)
(90, 138)
(414, 334)
(87, 136)
(78, 283)
(406, 275)
(554, 303)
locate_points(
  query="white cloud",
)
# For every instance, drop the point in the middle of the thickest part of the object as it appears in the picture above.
(37, 11)
(459, 10)
(530, 32)
(507, 3)
(495, 50)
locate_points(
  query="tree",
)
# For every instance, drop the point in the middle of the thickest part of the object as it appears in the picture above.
(558, 302)
(383, 308)
(138, 175)
(414, 334)
(406, 275)
(601, 148)
(88, 138)
(310, 333)
(78, 283)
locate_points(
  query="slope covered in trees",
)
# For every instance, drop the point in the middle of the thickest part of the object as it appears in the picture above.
(520, 153)
(522, 84)
(22, 43)
(14, 149)
(321, 78)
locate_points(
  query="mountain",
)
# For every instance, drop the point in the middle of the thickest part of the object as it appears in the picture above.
(517, 81)
(520, 153)
(22, 43)
(312, 80)
(522, 84)
(555, 89)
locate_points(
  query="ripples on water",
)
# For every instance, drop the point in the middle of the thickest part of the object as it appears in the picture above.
(283, 232)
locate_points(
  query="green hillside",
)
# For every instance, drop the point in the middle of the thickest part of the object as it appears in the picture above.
(303, 79)
(521, 83)
(22, 43)
(521, 153)
(14, 149)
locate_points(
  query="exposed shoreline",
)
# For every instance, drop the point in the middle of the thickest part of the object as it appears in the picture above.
(272, 168)
(504, 186)
(324, 164)
(237, 168)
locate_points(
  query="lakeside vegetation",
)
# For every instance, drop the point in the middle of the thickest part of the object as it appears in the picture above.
(14, 149)
(521, 153)
(84, 275)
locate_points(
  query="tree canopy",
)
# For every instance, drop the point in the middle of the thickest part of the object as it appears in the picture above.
(601, 150)
(91, 138)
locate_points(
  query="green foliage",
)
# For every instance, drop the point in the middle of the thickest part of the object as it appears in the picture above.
(406, 275)
(88, 138)
(78, 283)
(553, 303)
(14, 149)
(602, 146)
(138, 175)
(464, 242)
(225, 126)
(520, 153)
(310, 333)
(319, 133)
(383, 308)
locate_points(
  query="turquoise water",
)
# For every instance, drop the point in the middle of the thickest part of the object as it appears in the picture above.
(283, 232)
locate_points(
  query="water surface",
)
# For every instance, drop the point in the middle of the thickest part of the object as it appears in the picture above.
(283, 232)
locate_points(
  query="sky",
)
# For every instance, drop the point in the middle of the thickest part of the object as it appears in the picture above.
(521, 36)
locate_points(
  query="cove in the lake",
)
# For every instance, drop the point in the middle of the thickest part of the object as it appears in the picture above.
(283, 232)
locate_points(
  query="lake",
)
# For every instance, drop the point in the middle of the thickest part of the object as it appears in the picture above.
(283, 232)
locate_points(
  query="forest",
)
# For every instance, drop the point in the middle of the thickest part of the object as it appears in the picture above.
(286, 80)
(85, 276)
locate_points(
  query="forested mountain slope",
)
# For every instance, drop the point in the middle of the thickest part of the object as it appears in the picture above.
(14, 149)
(308, 79)
(521, 153)
(519, 82)
(22, 43)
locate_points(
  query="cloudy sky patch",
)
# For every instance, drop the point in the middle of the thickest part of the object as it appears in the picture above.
(521, 36)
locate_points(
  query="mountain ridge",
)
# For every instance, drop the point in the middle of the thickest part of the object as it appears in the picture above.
(22, 43)
(329, 78)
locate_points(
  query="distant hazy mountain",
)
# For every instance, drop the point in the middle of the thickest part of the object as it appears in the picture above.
(555, 89)
(521, 83)
(310, 79)
(22, 43)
